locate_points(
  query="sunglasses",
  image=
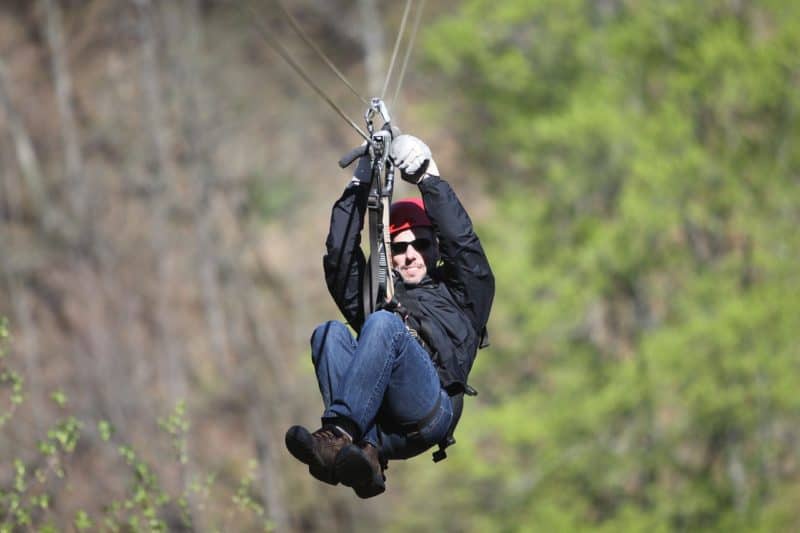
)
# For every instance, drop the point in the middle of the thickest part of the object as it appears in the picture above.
(419, 245)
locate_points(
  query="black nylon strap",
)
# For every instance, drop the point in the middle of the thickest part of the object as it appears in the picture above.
(412, 430)
(372, 279)
(371, 285)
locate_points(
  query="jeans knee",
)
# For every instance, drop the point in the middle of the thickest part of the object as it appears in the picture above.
(383, 320)
(325, 333)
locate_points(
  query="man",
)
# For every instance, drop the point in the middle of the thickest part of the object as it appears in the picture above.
(397, 390)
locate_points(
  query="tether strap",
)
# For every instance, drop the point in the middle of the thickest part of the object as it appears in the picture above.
(372, 280)
(449, 439)
(379, 287)
(412, 430)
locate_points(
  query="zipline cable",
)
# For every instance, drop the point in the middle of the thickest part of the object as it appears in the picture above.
(281, 51)
(409, 48)
(396, 47)
(303, 35)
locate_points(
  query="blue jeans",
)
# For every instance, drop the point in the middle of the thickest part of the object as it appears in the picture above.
(381, 382)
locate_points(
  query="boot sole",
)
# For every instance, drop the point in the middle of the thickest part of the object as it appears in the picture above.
(353, 470)
(301, 445)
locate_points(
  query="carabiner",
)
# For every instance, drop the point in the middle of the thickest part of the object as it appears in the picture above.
(376, 106)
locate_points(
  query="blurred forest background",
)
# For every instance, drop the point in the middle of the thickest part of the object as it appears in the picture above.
(632, 166)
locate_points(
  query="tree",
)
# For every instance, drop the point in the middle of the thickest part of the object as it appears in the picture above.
(644, 243)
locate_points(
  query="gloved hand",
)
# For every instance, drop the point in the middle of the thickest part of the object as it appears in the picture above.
(413, 158)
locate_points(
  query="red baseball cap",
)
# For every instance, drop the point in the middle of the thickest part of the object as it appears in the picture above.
(406, 214)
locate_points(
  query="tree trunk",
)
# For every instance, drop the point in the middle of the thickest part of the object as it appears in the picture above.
(160, 201)
(26, 155)
(77, 188)
(373, 38)
(163, 243)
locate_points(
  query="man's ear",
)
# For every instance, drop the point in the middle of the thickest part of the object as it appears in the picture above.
(432, 257)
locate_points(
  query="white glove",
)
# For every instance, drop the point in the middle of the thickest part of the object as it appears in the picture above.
(413, 158)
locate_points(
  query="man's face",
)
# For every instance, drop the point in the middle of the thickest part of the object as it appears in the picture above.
(412, 251)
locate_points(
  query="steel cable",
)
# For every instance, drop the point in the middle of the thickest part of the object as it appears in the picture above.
(400, 32)
(286, 55)
(281, 51)
(303, 35)
(409, 48)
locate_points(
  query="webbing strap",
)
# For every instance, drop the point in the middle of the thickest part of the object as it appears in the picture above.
(371, 282)
(413, 429)
(379, 286)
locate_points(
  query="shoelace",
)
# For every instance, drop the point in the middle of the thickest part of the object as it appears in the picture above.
(329, 435)
(324, 434)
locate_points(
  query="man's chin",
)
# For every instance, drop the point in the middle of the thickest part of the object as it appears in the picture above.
(412, 279)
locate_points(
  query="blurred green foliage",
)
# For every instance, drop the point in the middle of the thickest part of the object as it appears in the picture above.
(26, 501)
(645, 159)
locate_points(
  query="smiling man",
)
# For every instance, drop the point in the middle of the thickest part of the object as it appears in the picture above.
(398, 388)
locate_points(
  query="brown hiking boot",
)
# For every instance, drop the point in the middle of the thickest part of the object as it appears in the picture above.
(360, 467)
(318, 450)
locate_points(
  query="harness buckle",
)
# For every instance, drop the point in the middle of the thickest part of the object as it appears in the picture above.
(440, 454)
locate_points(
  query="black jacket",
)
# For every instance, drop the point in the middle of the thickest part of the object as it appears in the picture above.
(450, 307)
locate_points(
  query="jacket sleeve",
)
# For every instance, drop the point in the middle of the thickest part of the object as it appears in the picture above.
(466, 268)
(344, 262)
